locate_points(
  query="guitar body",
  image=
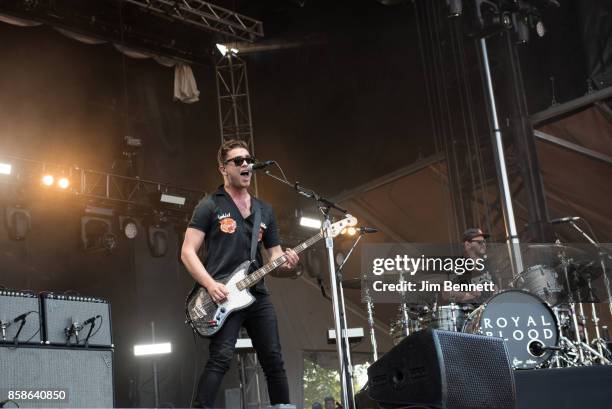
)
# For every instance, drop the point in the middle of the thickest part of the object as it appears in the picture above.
(207, 317)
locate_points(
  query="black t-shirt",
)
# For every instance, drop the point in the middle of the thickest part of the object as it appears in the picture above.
(227, 237)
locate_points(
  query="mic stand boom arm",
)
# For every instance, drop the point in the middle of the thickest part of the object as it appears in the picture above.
(309, 193)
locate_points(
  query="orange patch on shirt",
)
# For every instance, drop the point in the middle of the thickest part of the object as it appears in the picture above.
(227, 225)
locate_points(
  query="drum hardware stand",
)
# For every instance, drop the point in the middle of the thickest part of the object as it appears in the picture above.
(565, 261)
(581, 315)
(566, 345)
(454, 307)
(404, 310)
(603, 254)
(370, 308)
(343, 347)
(599, 342)
(581, 346)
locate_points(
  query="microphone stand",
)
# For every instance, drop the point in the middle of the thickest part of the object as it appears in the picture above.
(344, 360)
(3, 326)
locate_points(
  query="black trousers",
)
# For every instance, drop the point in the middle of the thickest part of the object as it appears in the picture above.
(259, 319)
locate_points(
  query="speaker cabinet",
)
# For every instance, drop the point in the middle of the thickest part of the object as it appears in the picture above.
(444, 369)
(61, 312)
(52, 377)
(14, 304)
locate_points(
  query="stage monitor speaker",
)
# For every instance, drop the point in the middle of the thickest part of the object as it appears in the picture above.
(62, 312)
(24, 307)
(54, 377)
(444, 369)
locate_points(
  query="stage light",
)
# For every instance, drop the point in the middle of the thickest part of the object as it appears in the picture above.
(48, 180)
(18, 221)
(521, 27)
(351, 231)
(63, 183)
(153, 349)
(310, 222)
(132, 142)
(6, 168)
(172, 199)
(540, 28)
(97, 235)
(455, 7)
(490, 18)
(99, 211)
(223, 49)
(129, 227)
(158, 241)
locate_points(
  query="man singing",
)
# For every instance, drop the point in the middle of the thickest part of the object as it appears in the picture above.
(224, 221)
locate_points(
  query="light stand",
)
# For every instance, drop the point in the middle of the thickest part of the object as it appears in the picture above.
(155, 372)
(502, 172)
(345, 369)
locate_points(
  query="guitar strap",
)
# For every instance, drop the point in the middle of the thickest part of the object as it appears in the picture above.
(255, 232)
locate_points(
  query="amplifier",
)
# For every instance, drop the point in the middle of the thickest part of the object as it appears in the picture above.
(19, 314)
(76, 320)
(56, 377)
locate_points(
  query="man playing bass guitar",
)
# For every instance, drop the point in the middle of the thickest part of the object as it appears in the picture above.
(223, 222)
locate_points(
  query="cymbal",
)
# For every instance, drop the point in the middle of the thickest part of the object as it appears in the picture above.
(554, 250)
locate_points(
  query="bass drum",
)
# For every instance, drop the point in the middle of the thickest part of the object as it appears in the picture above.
(523, 320)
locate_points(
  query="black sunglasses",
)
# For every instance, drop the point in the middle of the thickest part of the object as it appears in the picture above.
(481, 242)
(239, 160)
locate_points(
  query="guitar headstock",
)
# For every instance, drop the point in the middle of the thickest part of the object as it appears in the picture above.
(348, 221)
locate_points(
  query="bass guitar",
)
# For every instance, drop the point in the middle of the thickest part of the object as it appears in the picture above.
(206, 317)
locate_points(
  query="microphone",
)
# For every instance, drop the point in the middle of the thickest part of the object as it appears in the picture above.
(537, 348)
(366, 230)
(260, 165)
(91, 320)
(21, 317)
(565, 220)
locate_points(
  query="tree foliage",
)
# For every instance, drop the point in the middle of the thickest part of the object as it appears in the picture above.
(319, 383)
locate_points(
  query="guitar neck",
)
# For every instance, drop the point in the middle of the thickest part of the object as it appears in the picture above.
(257, 275)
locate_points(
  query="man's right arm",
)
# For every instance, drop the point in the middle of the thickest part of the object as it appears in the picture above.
(189, 255)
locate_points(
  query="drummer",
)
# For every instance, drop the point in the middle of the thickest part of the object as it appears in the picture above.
(474, 247)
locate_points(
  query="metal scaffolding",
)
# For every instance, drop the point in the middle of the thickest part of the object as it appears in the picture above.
(207, 16)
(233, 101)
(102, 187)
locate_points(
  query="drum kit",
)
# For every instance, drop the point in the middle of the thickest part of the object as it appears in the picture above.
(541, 315)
